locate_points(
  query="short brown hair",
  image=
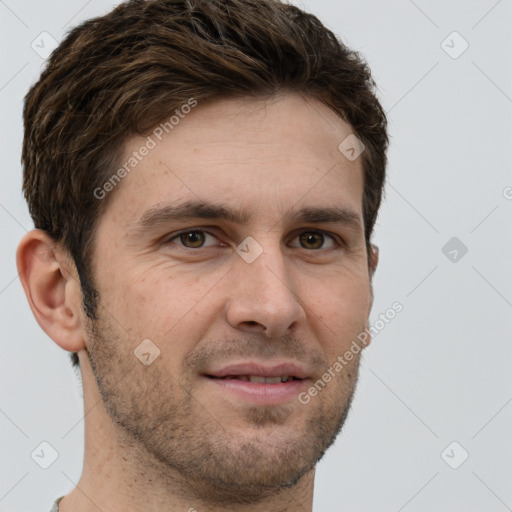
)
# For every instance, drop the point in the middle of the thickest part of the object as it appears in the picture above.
(124, 73)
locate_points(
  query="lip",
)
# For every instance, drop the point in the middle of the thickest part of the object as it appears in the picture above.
(260, 369)
(256, 392)
(260, 393)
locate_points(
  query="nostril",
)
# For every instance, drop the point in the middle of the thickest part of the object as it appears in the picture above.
(253, 323)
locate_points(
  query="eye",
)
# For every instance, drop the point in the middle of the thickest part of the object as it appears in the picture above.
(197, 239)
(315, 240)
(192, 239)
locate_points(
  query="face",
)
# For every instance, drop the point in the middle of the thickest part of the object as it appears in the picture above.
(174, 265)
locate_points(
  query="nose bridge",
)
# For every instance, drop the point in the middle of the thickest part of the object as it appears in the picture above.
(268, 273)
(264, 291)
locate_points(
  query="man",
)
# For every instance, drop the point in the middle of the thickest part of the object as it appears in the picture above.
(204, 177)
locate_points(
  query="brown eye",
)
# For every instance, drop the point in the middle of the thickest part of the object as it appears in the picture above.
(315, 240)
(192, 239)
(311, 240)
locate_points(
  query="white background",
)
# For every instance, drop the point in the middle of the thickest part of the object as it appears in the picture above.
(440, 371)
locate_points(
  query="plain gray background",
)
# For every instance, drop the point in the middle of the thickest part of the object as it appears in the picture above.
(440, 371)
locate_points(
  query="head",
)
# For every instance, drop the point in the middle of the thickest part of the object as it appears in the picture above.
(229, 116)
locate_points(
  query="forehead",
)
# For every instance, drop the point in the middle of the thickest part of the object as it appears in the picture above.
(264, 156)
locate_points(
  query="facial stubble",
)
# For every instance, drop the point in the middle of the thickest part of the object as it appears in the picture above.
(175, 438)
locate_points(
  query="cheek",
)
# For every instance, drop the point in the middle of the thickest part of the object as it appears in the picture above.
(339, 309)
(159, 300)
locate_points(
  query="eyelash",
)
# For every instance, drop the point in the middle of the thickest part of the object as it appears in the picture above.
(338, 242)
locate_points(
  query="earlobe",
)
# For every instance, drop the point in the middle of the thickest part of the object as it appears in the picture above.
(373, 261)
(51, 288)
(374, 258)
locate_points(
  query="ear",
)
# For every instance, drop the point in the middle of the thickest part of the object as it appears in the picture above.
(52, 288)
(373, 261)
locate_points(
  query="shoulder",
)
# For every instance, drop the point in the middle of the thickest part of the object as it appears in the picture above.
(55, 507)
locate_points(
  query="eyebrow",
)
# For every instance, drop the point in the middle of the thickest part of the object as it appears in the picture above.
(162, 214)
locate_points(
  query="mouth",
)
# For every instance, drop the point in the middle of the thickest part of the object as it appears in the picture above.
(257, 378)
(259, 384)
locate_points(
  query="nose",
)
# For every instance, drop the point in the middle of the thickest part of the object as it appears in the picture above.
(263, 298)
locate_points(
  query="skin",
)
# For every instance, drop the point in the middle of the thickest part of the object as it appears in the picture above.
(163, 437)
